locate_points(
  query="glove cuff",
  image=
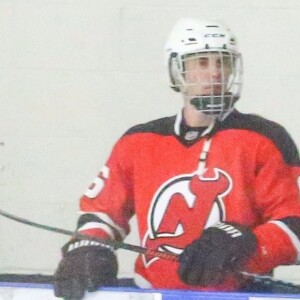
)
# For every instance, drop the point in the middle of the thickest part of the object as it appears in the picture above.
(76, 244)
(230, 228)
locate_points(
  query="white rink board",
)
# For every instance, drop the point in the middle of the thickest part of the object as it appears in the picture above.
(15, 291)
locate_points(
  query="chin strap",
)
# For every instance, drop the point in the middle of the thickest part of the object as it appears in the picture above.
(215, 105)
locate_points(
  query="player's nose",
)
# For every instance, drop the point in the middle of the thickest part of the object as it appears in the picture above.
(215, 72)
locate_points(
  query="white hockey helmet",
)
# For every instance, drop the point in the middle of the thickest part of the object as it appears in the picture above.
(191, 37)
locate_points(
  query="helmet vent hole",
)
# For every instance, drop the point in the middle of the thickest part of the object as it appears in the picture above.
(192, 39)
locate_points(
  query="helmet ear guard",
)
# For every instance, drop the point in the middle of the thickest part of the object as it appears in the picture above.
(175, 73)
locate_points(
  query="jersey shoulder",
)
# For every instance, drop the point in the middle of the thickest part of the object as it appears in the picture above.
(267, 128)
(162, 126)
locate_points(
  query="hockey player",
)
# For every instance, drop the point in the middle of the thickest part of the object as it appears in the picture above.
(212, 185)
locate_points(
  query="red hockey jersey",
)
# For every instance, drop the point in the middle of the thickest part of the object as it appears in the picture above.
(180, 180)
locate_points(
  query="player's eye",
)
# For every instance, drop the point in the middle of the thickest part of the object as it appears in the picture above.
(227, 61)
(219, 63)
(203, 62)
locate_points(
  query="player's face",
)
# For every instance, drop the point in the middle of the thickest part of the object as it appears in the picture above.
(207, 73)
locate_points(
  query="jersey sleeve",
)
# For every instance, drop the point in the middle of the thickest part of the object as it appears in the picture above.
(107, 205)
(278, 201)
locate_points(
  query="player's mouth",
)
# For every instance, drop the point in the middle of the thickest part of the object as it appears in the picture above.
(216, 89)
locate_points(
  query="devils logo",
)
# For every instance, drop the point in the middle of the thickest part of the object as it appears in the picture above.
(182, 207)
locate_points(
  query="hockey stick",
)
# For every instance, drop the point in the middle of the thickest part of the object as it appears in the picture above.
(103, 242)
(260, 283)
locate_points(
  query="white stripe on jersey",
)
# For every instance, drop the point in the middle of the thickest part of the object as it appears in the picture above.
(105, 218)
(97, 225)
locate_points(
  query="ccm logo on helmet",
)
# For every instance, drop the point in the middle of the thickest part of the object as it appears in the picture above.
(217, 35)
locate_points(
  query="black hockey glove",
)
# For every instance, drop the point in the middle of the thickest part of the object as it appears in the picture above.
(85, 266)
(221, 249)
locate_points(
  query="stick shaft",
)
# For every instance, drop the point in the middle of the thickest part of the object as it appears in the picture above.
(277, 285)
(112, 243)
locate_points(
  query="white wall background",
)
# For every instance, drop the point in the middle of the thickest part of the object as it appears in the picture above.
(75, 74)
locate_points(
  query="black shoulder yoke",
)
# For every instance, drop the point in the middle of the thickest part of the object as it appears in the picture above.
(163, 126)
(271, 130)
